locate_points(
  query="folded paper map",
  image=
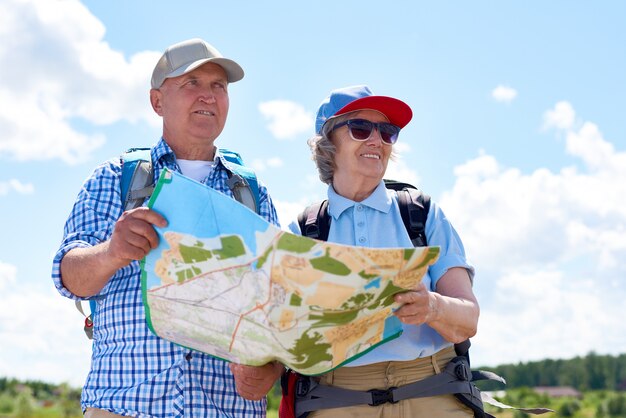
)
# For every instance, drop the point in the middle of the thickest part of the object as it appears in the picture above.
(226, 282)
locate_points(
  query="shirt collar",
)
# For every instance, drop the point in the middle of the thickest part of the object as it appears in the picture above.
(379, 200)
(163, 150)
(219, 157)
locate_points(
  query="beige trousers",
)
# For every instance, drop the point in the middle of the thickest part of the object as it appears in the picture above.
(395, 373)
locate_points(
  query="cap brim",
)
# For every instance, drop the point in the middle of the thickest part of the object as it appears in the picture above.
(233, 71)
(398, 112)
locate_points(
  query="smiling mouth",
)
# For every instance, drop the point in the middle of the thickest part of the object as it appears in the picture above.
(373, 156)
(204, 112)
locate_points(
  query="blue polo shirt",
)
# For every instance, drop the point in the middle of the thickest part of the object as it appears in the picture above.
(376, 222)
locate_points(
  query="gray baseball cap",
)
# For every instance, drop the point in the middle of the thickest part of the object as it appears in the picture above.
(188, 55)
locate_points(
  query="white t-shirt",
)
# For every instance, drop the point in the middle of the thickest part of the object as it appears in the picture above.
(195, 169)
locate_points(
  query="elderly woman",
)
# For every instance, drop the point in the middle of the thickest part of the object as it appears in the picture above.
(355, 134)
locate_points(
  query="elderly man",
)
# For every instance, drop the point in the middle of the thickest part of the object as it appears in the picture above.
(133, 372)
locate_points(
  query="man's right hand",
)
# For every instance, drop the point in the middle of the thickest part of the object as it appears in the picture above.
(134, 236)
(85, 271)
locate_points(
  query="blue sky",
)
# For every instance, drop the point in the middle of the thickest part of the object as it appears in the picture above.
(518, 133)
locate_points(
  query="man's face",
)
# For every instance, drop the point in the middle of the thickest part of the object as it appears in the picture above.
(194, 107)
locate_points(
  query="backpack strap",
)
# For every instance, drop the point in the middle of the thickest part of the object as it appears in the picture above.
(414, 206)
(242, 180)
(314, 221)
(137, 183)
(137, 177)
(456, 378)
(88, 328)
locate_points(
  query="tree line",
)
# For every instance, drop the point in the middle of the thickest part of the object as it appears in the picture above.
(591, 372)
(601, 377)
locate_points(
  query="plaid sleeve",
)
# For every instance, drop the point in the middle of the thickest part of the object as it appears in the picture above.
(93, 217)
(266, 206)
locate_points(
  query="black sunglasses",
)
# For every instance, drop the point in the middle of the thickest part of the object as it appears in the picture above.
(361, 130)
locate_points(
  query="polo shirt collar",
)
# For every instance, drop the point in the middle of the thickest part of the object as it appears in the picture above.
(379, 200)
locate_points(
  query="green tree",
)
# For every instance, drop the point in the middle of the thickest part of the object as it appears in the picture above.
(69, 403)
(569, 408)
(7, 403)
(616, 406)
(24, 403)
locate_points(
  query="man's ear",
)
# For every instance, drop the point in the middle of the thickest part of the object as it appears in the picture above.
(155, 101)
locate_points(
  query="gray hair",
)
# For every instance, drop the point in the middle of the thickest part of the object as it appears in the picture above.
(323, 150)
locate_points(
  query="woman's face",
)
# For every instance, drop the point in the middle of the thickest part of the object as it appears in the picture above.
(360, 160)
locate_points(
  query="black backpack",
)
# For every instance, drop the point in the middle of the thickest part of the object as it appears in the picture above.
(414, 206)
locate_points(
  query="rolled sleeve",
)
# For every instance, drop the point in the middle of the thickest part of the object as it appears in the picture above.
(92, 218)
(56, 267)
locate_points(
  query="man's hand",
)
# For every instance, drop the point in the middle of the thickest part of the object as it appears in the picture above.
(85, 271)
(134, 235)
(253, 382)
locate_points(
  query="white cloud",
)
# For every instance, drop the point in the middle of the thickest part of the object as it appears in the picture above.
(17, 186)
(310, 187)
(42, 336)
(562, 116)
(401, 147)
(504, 94)
(258, 165)
(7, 274)
(62, 71)
(599, 155)
(288, 211)
(547, 246)
(287, 119)
(547, 314)
(261, 165)
(275, 162)
(398, 169)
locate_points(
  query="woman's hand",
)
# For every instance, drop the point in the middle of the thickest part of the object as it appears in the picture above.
(452, 311)
(419, 306)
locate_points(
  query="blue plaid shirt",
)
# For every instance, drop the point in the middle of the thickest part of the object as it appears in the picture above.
(133, 372)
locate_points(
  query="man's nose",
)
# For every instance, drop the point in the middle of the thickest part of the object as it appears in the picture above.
(207, 96)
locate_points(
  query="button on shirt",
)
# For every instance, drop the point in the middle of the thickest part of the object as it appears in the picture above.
(133, 372)
(376, 222)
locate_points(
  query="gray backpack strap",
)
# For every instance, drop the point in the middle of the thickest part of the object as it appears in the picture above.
(325, 397)
(88, 327)
(456, 379)
(453, 379)
(242, 191)
(491, 401)
(242, 180)
(137, 180)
